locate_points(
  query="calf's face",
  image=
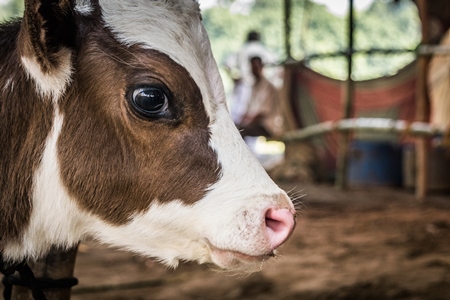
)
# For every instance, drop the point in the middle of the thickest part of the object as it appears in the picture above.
(142, 154)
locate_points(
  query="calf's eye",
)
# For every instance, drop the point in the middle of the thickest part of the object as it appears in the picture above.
(150, 101)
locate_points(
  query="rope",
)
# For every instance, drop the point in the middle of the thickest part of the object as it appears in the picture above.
(27, 279)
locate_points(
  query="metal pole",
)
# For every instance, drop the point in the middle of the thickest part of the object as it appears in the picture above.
(341, 163)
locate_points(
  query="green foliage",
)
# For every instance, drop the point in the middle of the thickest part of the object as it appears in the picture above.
(386, 25)
(228, 30)
(11, 9)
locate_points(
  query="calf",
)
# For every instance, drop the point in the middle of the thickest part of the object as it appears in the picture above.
(114, 126)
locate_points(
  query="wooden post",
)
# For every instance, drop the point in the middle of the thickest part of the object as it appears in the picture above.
(287, 28)
(342, 157)
(422, 108)
(286, 96)
(56, 265)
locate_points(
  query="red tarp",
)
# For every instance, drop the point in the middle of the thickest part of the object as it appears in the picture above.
(319, 98)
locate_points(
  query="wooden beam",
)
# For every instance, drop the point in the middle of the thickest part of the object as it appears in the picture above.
(342, 158)
(422, 107)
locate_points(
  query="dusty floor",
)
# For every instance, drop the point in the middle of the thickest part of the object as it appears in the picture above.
(371, 243)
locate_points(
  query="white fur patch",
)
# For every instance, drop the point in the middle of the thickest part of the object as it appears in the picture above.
(55, 219)
(84, 7)
(54, 83)
(174, 28)
(244, 185)
(9, 84)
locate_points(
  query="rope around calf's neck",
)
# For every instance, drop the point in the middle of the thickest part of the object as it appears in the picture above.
(27, 279)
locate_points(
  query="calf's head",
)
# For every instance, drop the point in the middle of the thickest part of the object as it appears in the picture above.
(141, 152)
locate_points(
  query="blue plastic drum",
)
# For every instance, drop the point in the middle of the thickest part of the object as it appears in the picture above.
(375, 163)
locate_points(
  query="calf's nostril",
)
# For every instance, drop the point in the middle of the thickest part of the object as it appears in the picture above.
(275, 225)
(279, 225)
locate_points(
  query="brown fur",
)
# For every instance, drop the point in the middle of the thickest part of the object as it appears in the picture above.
(114, 162)
(25, 122)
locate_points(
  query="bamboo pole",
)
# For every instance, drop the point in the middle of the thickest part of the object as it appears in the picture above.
(286, 96)
(342, 158)
(379, 125)
(422, 108)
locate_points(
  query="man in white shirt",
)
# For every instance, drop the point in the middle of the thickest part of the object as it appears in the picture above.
(262, 115)
(238, 66)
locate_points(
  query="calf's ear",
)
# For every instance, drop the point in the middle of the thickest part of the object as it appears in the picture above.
(47, 32)
(47, 37)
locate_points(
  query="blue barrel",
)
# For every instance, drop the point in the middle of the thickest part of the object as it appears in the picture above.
(374, 163)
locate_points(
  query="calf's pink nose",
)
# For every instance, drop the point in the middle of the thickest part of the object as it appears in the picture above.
(279, 225)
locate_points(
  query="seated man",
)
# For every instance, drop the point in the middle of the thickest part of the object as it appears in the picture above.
(262, 117)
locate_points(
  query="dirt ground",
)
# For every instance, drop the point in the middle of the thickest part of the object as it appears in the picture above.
(366, 243)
